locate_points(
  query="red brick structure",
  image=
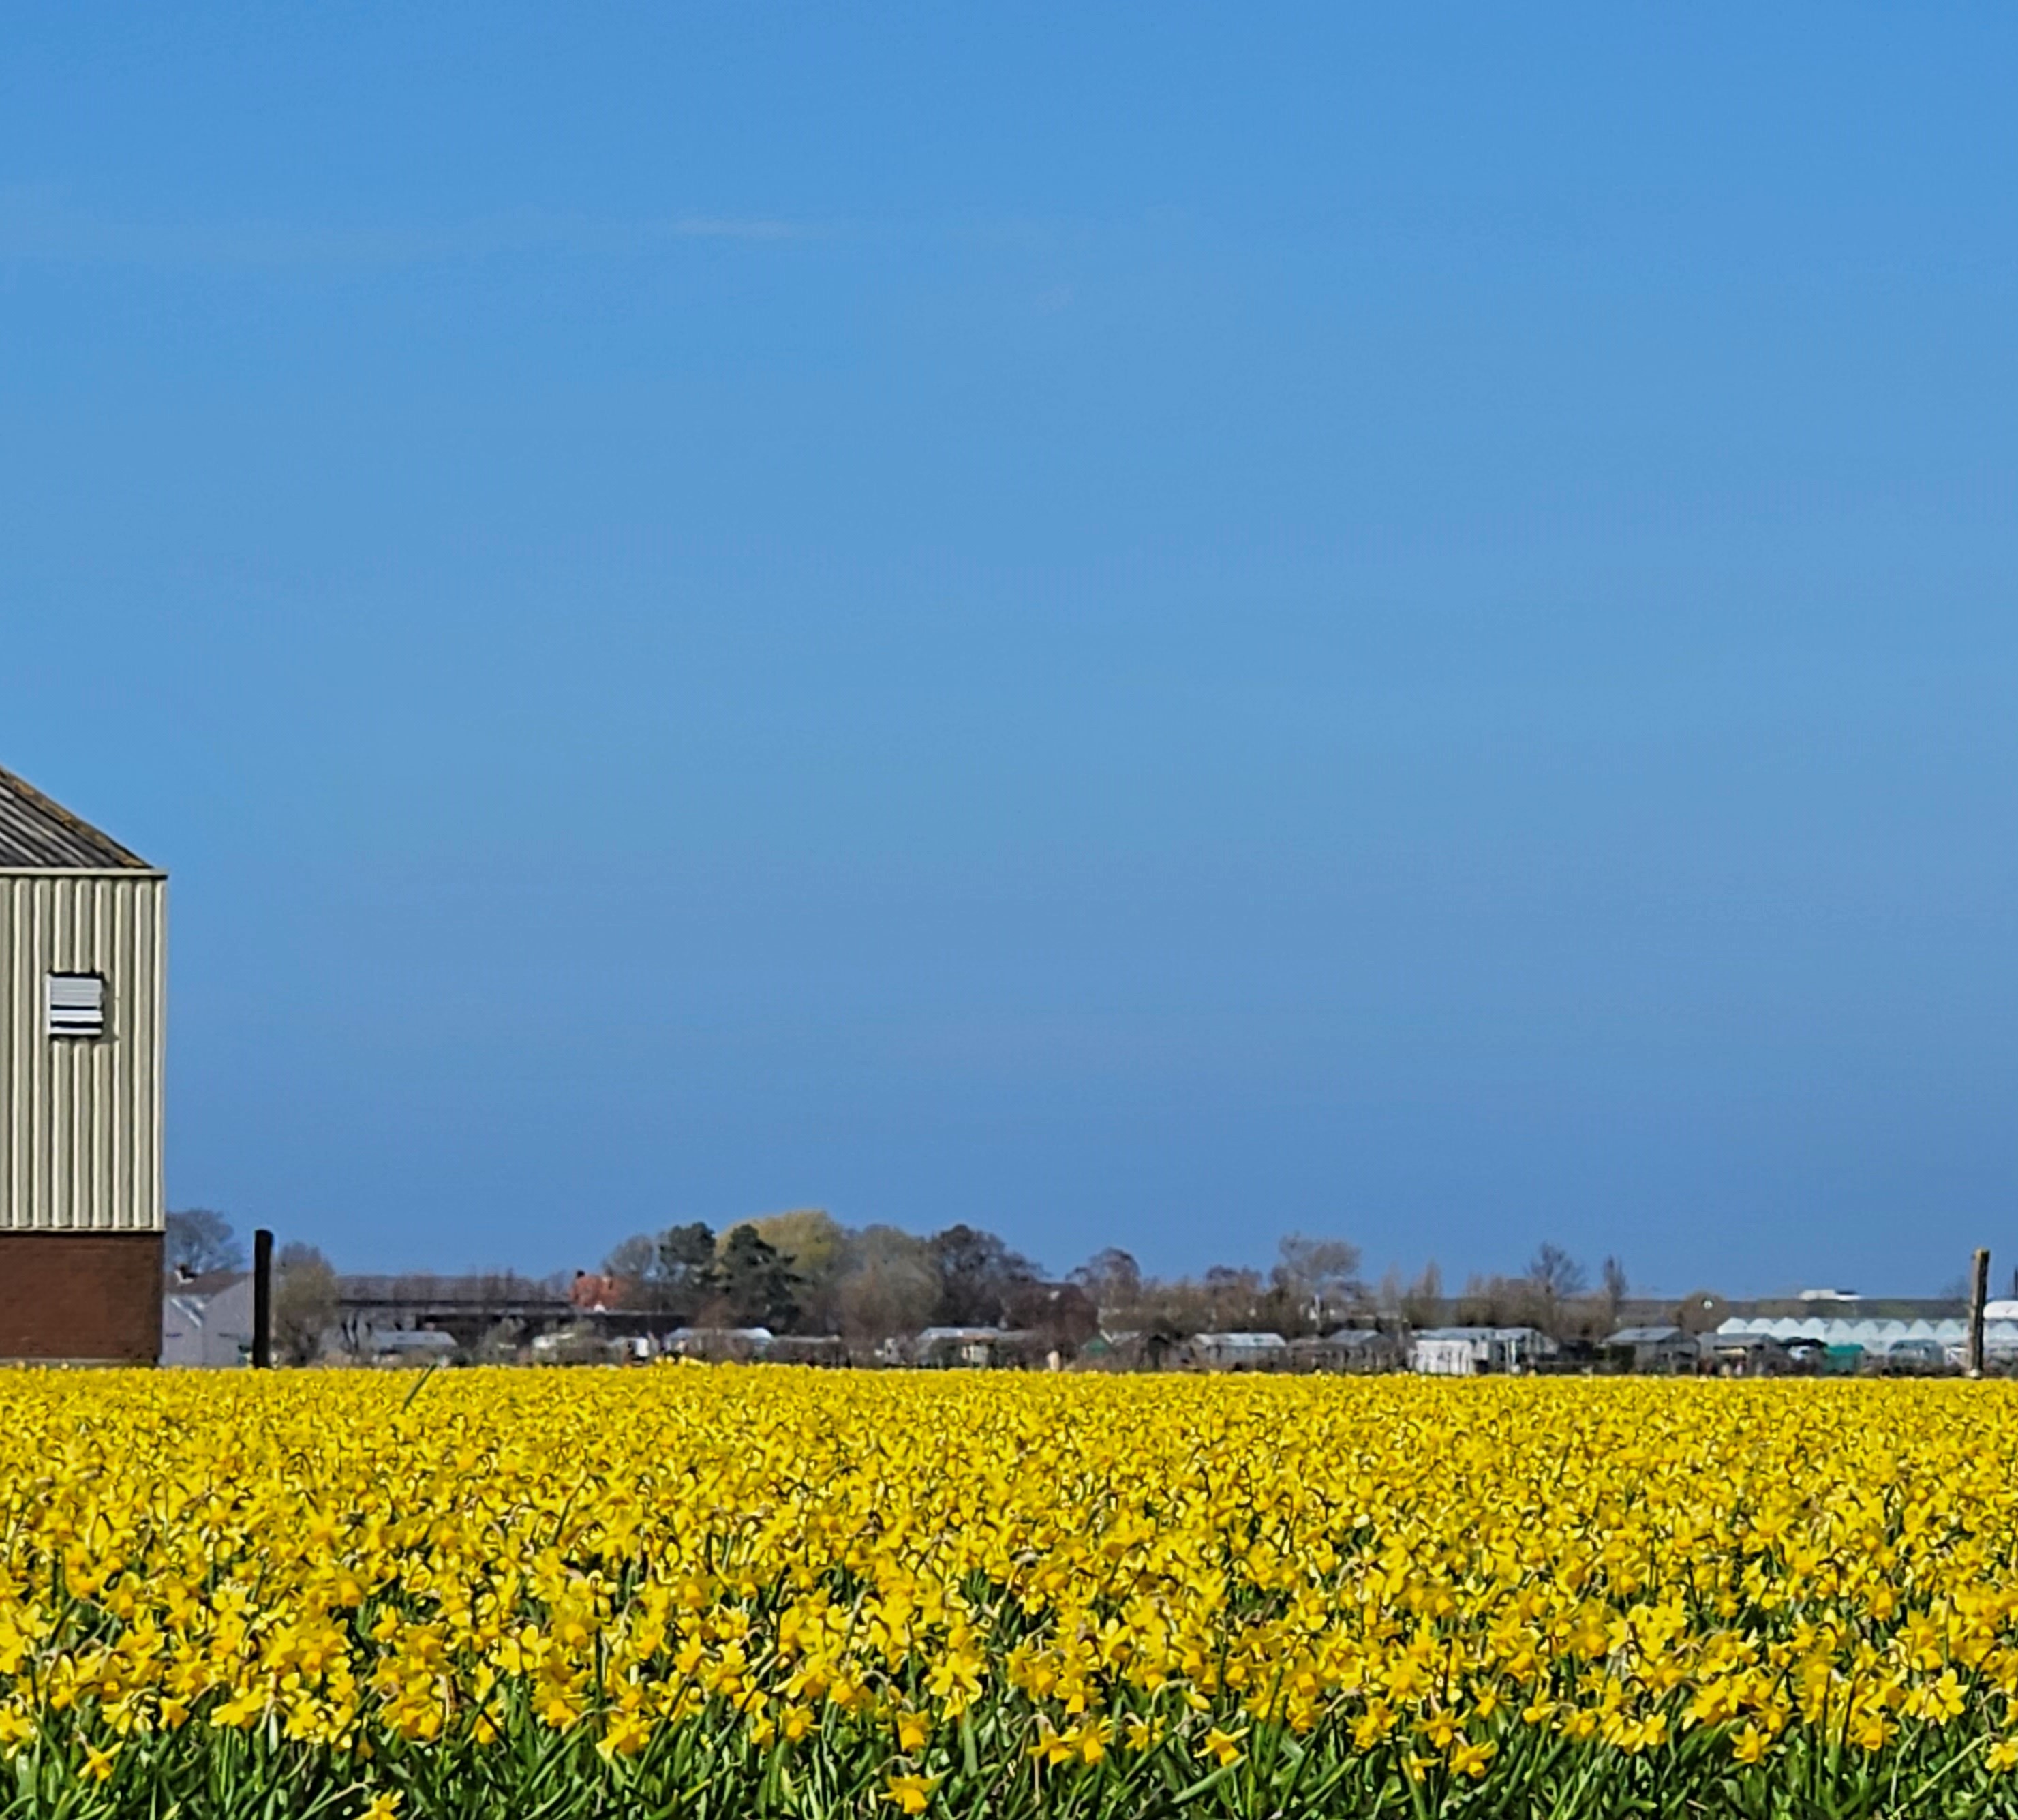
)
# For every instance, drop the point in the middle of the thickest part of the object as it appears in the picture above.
(81, 1297)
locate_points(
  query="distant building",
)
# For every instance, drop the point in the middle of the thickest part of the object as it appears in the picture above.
(1134, 1349)
(471, 1310)
(82, 967)
(1240, 1352)
(207, 1320)
(721, 1344)
(410, 1345)
(1656, 1349)
(1914, 1344)
(808, 1349)
(973, 1346)
(1348, 1349)
(1467, 1352)
(1742, 1354)
(1441, 1355)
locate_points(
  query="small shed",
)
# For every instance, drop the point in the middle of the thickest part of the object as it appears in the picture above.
(1441, 1355)
(1743, 1354)
(939, 1347)
(1465, 1351)
(412, 1346)
(1918, 1355)
(1133, 1349)
(1655, 1349)
(1240, 1352)
(808, 1349)
(1348, 1349)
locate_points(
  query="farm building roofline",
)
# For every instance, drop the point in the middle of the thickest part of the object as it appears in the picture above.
(38, 834)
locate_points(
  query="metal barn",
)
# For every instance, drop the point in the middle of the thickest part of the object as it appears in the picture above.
(82, 986)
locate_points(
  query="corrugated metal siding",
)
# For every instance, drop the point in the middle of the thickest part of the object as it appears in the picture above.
(81, 1120)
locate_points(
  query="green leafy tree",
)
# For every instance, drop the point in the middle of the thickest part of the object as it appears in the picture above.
(977, 1272)
(755, 1281)
(686, 1278)
(814, 1245)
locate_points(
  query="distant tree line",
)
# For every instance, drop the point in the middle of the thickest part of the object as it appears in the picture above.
(1314, 1288)
(1553, 1294)
(804, 1272)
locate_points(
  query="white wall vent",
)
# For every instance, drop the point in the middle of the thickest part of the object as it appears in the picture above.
(76, 1004)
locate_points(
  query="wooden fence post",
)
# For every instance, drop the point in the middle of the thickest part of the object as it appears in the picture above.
(262, 1299)
(1979, 1293)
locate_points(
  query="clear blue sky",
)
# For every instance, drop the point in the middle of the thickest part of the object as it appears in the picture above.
(1136, 625)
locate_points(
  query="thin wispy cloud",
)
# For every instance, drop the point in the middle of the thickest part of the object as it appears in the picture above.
(36, 226)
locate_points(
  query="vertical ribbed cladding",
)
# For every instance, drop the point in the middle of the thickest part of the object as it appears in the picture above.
(155, 938)
(15, 1044)
(69, 1112)
(81, 1122)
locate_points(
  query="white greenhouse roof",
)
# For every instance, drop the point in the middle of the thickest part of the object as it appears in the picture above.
(1872, 1336)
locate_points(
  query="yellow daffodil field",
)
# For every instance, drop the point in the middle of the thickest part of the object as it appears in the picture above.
(726, 1591)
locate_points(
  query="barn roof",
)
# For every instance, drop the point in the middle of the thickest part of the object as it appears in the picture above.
(37, 834)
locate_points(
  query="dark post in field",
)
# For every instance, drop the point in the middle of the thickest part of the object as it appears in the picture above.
(1979, 1293)
(262, 1299)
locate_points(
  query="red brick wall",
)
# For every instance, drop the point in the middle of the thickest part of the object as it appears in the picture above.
(81, 1295)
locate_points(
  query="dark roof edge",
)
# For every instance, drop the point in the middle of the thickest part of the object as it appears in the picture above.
(127, 859)
(108, 870)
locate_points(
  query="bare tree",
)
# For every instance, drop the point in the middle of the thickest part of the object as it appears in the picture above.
(1556, 1274)
(1061, 1314)
(1232, 1297)
(304, 1302)
(630, 1263)
(1112, 1278)
(1505, 1301)
(200, 1239)
(1319, 1277)
(888, 1285)
(1701, 1310)
(1613, 1291)
(1421, 1301)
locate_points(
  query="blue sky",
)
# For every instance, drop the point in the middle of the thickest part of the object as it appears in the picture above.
(1151, 627)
